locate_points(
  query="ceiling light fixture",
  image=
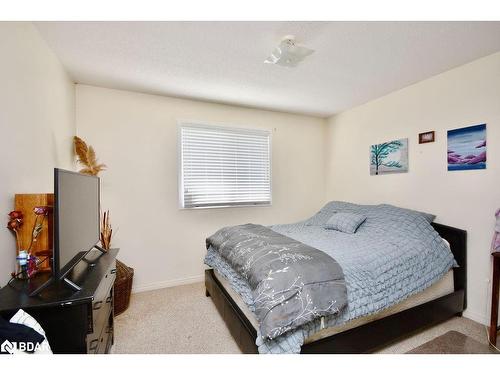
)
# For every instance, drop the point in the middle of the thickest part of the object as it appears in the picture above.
(288, 53)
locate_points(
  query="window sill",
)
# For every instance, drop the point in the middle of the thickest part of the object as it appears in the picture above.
(227, 206)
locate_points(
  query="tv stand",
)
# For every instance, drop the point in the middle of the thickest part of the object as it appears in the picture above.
(51, 281)
(74, 321)
(72, 285)
(65, 280)
(92, 262)
(100, 249)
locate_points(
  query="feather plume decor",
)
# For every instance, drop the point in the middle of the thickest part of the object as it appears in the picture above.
(87, 158)
(106, 231)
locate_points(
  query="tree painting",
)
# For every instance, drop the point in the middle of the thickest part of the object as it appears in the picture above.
(389, 157)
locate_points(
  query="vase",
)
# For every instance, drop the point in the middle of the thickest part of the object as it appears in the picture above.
(22, 264)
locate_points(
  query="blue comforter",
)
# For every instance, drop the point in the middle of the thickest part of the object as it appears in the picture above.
(396, 253)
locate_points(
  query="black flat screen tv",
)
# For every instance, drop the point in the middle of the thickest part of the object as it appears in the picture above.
(76, 224)
(76, 219)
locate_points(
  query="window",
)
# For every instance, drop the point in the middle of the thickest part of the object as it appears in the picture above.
(224, 166)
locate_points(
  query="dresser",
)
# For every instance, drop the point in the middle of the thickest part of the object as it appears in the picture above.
(493, 331)
(74, 322)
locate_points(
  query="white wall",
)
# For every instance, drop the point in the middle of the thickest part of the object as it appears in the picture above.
(467, 95)
(36, 123)
(136, 136)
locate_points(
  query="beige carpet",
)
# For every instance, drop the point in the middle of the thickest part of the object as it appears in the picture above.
(183, 320)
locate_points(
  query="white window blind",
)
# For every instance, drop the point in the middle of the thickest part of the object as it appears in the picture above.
(224, 166)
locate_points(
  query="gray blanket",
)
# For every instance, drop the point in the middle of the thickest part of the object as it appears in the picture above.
(292, 283)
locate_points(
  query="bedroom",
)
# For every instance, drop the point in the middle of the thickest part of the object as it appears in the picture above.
(360, 157)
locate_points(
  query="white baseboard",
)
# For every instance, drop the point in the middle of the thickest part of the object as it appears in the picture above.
(479, 318)
(168, 283)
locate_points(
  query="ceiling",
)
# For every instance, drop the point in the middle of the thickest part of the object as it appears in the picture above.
(353, 62)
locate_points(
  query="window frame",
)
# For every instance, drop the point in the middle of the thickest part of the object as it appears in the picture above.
(211, 125)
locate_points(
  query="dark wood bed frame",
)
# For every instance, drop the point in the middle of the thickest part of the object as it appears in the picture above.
(368, 337)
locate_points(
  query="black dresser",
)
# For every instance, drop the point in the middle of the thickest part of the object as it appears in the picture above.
(74, 322)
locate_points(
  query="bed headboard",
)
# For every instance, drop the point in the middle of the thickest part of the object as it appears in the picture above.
(458, 243)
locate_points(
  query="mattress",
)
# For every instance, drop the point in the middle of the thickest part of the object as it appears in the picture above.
(439, 289)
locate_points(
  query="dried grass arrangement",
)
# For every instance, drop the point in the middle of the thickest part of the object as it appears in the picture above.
(87, 158)
(106, 231)
(124, 274)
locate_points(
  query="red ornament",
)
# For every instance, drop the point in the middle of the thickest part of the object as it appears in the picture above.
(14, 224)
(16, 215)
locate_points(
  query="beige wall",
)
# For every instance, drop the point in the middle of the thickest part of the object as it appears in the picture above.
(36, 123)
(136, 136)
(467, 95)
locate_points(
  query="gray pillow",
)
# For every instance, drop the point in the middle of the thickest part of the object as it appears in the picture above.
(429, 217)
(347, 222)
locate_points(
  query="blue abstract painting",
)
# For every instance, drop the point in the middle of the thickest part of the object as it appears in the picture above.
(389, 157)
(467, 148)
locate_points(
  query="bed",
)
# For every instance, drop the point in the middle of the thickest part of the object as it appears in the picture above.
(435, 303)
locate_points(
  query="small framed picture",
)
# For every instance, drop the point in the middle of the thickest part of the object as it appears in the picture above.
(426, 137)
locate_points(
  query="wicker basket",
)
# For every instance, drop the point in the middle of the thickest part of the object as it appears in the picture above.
(123, 287)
